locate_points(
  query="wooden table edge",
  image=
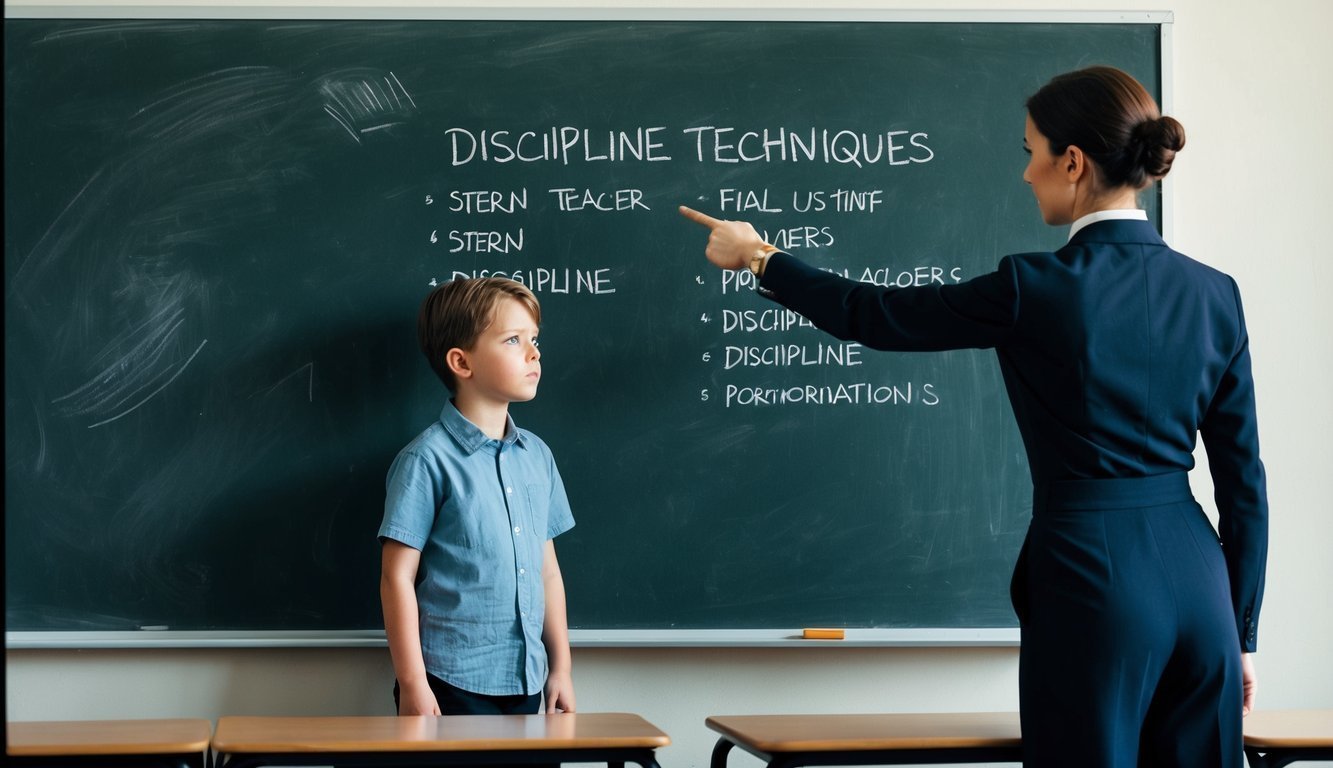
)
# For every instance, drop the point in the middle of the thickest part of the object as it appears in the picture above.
(1278, 742)
(867, 744)
(225, 743)
(309, 747)
(1289, 729)
(192, 744)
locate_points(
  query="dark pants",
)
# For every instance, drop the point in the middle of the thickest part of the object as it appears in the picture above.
(456, 701)
(1130, 654)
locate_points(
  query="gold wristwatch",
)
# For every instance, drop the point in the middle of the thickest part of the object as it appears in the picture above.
(760, 260)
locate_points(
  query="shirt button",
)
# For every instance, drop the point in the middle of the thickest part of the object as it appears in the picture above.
(517, 529)
(509, 490)
(522, 571)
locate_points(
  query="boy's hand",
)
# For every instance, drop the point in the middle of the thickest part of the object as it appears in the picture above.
(559, 693)
(417, 700)
(732, 243)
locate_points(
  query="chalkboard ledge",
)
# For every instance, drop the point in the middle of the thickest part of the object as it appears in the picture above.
(791, 638)
(579, 638)
(168, 638)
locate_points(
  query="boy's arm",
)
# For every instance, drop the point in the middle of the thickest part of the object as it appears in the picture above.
(555, 636)
(398, 573)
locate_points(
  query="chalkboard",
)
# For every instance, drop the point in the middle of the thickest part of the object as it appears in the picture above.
(218, 232)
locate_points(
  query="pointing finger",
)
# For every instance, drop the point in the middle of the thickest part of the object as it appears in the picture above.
(699, 218)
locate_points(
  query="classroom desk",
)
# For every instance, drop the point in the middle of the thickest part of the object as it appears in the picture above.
(615, 739)
(786, 741)
(160, 743)
(1274, 738)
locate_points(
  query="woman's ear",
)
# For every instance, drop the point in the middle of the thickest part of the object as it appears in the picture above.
(1076, 165)
(457, 361)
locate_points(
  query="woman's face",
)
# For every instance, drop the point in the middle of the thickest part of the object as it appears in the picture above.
(1048, 178)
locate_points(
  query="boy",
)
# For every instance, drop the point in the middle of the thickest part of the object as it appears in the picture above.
(474, 604)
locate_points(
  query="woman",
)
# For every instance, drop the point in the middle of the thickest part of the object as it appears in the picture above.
(1116, 352)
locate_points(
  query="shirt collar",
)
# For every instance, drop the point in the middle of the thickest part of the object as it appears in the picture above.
(1110, 215)
(469, 436)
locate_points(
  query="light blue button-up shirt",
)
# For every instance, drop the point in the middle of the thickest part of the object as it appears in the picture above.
(480, 511)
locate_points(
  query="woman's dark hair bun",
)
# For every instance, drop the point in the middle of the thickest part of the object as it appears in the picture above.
(1154, 144)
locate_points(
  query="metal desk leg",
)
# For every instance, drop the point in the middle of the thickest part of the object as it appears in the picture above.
(720, 750)
(1258, 757)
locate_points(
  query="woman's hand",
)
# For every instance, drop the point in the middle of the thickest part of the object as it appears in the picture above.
(1250, 681)
(732, 244)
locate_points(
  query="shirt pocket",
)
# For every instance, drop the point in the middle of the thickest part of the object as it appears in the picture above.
(538, 497)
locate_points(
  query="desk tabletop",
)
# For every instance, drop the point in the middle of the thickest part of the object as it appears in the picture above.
(107, 737)
(1289, 728)
(815, 733)
(424, 733)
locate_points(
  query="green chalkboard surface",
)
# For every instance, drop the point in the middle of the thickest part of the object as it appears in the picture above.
(217, 234)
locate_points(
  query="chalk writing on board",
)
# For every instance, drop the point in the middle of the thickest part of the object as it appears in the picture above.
(791, 355)
(752, 320)
(485, 201)
(836, 200)
(841, 200)
(842, 146)
(558, 143)
(566, 280)
(566, 144)
(741, 281)
(770, 349)
(481, 241)
(845, 393)
(582, 199)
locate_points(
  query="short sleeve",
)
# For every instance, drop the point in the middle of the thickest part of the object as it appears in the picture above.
(559, 517)
(412, 496)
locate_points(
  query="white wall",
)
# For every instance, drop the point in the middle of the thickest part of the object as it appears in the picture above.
(1251, 84)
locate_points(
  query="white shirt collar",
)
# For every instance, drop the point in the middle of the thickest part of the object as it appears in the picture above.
(1096, 216)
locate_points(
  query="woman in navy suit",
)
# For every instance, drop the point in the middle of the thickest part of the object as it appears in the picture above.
(1137, 617)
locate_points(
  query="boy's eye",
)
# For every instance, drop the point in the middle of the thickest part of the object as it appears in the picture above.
(535, 343)
(511, 340)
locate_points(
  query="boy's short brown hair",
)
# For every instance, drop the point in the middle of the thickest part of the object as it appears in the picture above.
(455, 313)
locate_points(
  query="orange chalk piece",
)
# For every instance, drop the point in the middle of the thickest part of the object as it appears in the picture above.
(822, 634)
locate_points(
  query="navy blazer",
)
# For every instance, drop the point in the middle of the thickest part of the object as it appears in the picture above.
(1116, 353)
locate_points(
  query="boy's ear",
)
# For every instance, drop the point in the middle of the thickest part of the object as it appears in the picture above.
(457, 361)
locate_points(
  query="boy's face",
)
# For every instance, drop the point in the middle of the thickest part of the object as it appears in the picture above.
(504, 363)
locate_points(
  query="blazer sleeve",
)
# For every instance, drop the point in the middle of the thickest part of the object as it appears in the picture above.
(978, 313)
(1230, 434)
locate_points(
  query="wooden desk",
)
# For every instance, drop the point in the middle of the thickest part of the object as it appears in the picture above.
(164, 743)
(614, 739)
(785, 741)
(1274, 738)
